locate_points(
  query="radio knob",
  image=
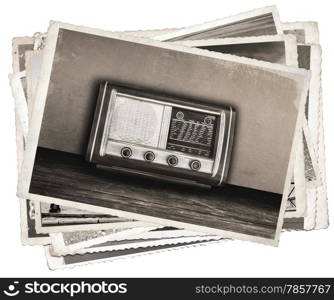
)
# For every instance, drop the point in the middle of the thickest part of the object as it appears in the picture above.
(195, 165)
(149, 156)
(126, 152)
(172, 160)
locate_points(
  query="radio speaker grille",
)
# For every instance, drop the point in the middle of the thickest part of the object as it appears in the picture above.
(136, 122)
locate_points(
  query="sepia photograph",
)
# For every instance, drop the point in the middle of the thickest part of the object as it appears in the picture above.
(257, 22)
(60, 133)
(59, 262)
(66, 244)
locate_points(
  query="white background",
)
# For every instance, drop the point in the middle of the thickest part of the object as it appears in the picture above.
(299, 253)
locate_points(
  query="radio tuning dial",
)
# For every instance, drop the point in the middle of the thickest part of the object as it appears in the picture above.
(195, 165)
(172, 160)
(126, 152)
(149, 156)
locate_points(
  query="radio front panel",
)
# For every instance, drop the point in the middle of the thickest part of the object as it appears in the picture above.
(150, 131)
(145, 131)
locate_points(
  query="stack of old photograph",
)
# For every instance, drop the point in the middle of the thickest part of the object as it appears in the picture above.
(145, 141)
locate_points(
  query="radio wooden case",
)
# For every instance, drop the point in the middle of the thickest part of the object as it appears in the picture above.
(161, 136)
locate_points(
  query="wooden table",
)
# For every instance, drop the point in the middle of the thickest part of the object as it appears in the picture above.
(68, 176)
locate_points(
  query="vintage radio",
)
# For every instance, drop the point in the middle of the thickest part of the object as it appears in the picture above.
(160, 135)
